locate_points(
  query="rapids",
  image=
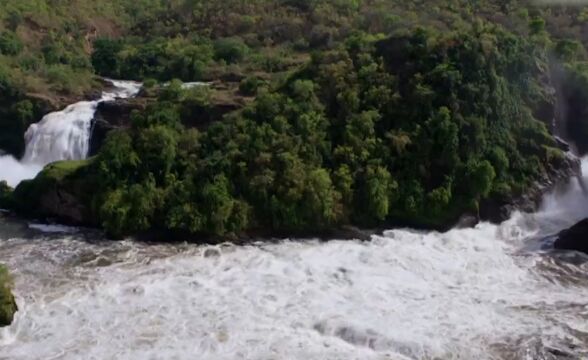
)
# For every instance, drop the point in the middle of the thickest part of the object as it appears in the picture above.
(490, 292)
(61, 135)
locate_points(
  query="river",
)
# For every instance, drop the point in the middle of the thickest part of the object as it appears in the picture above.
(491, 292)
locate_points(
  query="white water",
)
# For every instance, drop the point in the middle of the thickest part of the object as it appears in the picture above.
(483, 293)
(61, 135)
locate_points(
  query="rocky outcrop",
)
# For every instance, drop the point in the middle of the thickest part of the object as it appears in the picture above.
(116, 114)
(7, 302)
(111, 115)
(497, 210)
(574, 238)
(60, 192)
(62, 204)
(221, 103)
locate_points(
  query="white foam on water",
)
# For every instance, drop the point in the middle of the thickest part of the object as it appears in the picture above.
(466, 294)
(567, 206)
(53, 228)
(13, 172)
(61, 135)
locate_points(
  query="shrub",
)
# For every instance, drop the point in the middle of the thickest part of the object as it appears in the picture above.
(10, 44)
(249, 85)
(7, 303)
(231, 50)
(105, 58)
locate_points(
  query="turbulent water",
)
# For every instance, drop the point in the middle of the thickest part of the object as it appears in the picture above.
(61, 135)
(492, 292)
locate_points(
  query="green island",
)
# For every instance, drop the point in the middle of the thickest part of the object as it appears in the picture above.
(319, 114)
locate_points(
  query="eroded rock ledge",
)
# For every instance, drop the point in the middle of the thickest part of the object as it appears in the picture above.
(574, 238)
(116, 114)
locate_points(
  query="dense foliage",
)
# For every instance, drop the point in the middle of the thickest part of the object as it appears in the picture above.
(367, 112)
(414, 128)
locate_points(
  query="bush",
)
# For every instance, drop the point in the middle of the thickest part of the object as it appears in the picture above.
(249, 85)
(231, 50)
(105, 58)
(7, 303)
(61, 77)
(10, 44)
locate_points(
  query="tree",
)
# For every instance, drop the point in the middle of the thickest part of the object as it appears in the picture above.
(377, 184)
(105, 57)
(230, 50)
(156, 147)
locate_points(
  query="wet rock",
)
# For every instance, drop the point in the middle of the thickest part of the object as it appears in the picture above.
(546, 109)
(111, 115)
(562, 144)
(574, 238)
(467, 221)
(7, 302)
(57, 193)
(63, 205)
(211, 252)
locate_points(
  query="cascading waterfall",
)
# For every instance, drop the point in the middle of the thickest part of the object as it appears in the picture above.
(61, 135)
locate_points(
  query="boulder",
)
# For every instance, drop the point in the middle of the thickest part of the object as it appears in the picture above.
(7, 302)
(574, 238)
(61, 192)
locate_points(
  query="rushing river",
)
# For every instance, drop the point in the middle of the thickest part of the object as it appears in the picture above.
(492, 292)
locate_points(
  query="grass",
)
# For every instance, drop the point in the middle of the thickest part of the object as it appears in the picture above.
(60, 170)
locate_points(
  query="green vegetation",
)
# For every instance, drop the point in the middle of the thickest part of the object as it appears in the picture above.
(414, 128)
(7, 302)
(367, 112)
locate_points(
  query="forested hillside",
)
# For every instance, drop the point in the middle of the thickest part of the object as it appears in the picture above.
(370, 112)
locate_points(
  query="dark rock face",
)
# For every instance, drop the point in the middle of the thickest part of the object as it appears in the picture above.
(63, 205)
(562, 144)
(198, 116)
(499, 210)
(111, 115)
(61, 192)
(116, 114)
(574, 238)
(467, 221)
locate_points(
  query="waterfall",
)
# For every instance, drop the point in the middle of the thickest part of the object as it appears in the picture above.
(61, 135)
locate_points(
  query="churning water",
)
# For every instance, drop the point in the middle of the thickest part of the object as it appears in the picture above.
(61, 135)
(491, 292)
